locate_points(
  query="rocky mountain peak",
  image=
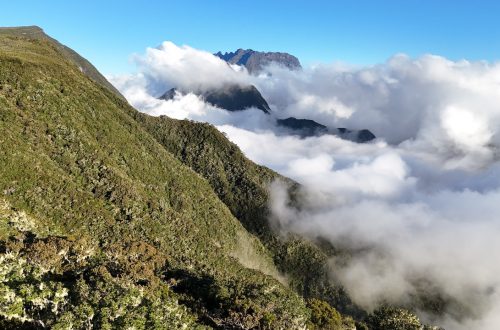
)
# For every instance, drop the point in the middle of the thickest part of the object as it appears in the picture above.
(255, 61)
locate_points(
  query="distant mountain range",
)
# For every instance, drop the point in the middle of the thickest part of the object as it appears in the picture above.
(308, 128)
(234, 97)
(255, 61)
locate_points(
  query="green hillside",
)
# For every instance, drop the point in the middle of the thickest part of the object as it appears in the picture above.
(90, 201)
(111, 219)
(243, 187)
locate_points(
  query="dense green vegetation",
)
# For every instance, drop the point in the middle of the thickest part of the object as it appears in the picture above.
(243, 187)
(62, 283)
(111, 219)
(391, 318)
(324, 316)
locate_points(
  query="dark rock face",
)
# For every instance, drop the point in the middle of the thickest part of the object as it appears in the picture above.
(254, 61)
(303, 127)
(168, 95)
(231, 97)
(359, 136)
(307, 128)
(365, 135)
(234, 98)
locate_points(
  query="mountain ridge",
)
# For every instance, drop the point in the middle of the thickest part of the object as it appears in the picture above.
(36, 33)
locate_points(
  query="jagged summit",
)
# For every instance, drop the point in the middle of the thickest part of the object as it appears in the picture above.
(255, 61)
(360, 136)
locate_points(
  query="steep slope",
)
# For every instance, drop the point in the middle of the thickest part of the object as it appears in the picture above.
(36, 33)
(243, 187)
(255, 61)
(92, 206)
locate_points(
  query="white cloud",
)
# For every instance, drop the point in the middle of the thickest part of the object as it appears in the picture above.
(186, 68)
(416, 100)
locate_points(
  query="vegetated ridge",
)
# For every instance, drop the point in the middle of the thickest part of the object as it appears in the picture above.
(34, 32)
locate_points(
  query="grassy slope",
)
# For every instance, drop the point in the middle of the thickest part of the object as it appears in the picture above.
(81, 179)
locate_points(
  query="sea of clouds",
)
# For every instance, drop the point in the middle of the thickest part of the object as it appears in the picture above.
(419, 206)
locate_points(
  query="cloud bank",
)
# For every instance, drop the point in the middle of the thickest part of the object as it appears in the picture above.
(419, 208)
(172, 66)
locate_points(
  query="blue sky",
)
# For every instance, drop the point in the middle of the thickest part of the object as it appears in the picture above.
(357, 32)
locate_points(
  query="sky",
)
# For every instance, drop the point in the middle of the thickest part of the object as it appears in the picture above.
(356, 32)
